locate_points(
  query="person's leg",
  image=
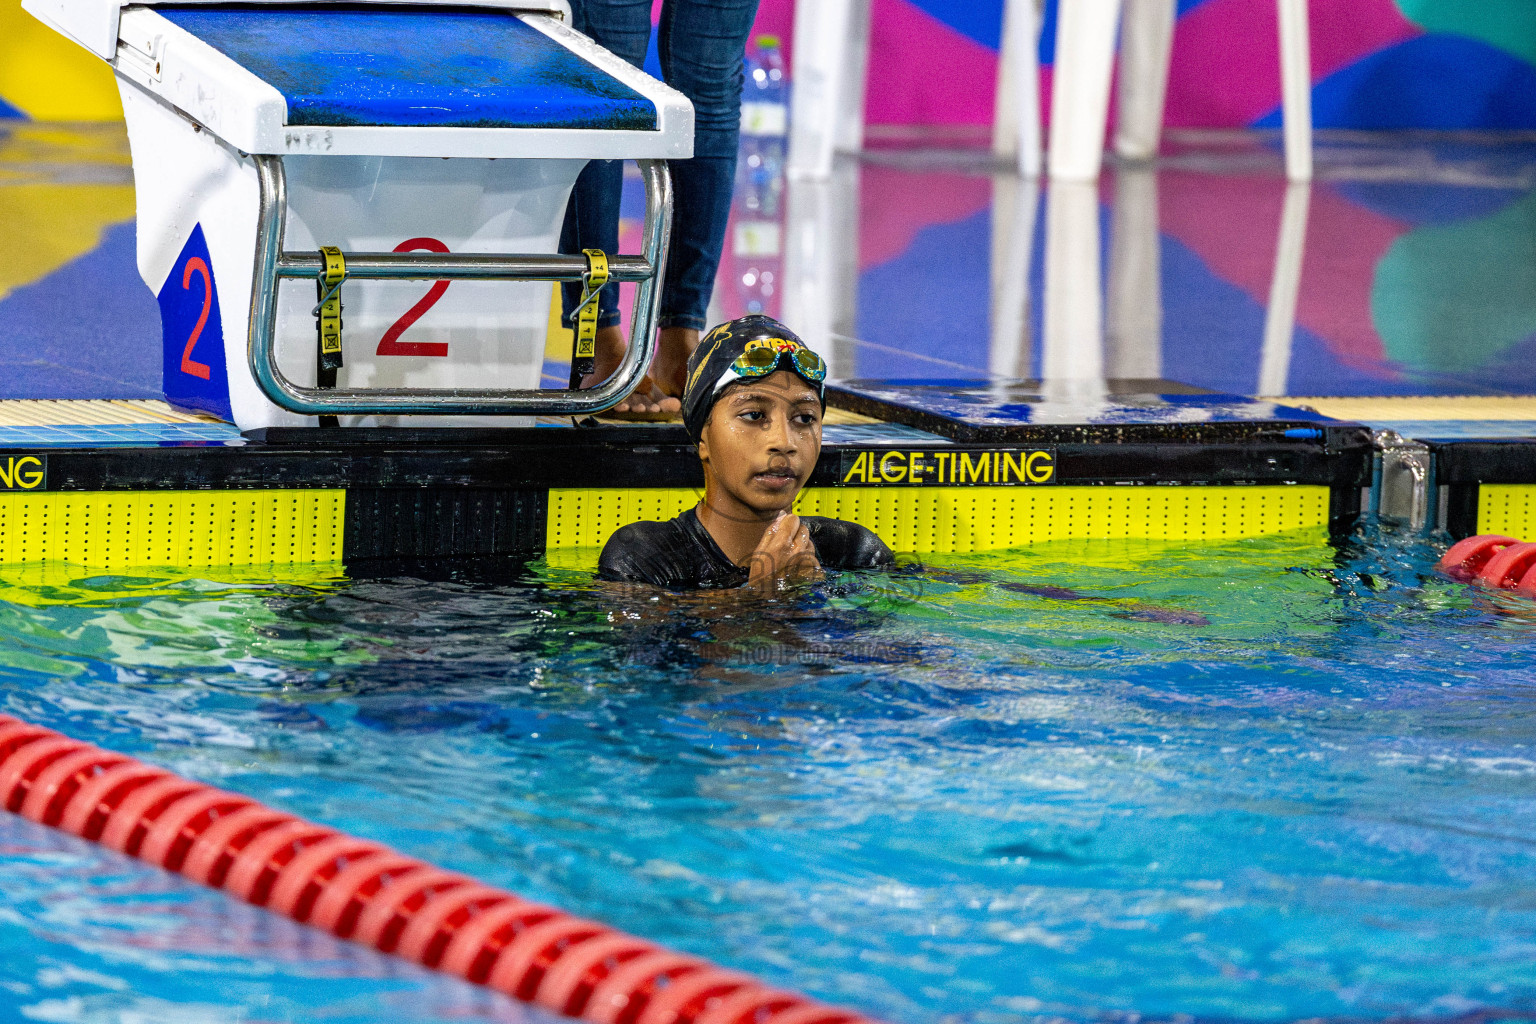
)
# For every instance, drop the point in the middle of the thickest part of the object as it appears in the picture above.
(702, 43)
(592, 222)
(592, 216)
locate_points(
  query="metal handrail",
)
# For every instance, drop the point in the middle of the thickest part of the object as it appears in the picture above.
(273, 265)
(404, 266)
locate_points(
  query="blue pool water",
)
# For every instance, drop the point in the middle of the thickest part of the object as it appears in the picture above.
(1268, 781)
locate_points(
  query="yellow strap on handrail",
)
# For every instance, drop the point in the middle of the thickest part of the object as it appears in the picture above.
(586, 314)
(584, 317)
(329, 308)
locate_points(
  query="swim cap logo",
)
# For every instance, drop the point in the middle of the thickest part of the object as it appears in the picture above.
(777, 344)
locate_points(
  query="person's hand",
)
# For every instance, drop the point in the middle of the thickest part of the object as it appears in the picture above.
(785, 554)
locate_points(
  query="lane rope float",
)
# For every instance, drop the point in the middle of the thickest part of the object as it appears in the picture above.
(1466, 558)
(1507, 568)
(363, 891)
(1494, 561)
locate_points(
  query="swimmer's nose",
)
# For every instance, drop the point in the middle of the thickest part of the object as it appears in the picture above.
(780, 437)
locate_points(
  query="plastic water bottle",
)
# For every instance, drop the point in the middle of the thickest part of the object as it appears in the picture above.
(764, 129)
(757, 237)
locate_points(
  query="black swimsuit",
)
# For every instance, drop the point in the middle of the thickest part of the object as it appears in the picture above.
(681, 555)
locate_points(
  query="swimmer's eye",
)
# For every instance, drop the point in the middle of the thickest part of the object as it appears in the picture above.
(752, 415)
(807, 419)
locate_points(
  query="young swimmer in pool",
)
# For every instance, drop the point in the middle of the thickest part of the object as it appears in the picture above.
(753, 406)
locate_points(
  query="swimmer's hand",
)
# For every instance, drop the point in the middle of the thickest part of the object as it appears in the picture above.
(784, 555)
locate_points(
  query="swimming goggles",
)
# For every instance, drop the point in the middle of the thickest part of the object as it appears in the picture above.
(760, 362)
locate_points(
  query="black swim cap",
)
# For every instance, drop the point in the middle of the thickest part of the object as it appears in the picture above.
(721, 360)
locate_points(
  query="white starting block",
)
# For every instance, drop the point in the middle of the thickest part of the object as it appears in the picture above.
(431, 148)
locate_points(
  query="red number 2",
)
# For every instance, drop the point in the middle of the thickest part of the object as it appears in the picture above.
(390, 344)
(188, 364)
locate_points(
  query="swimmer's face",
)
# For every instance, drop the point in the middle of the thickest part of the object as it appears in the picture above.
(762, 441)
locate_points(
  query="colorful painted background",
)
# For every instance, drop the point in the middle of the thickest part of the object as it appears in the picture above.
(1375, 63)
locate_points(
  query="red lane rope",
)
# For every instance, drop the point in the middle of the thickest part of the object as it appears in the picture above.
(1509, 566)
(1468, 557)
(370, 894)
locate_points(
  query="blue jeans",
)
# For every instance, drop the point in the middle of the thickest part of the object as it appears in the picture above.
(702, 43)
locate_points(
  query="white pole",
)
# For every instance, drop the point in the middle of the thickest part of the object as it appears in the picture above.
(1296, 88)
(1146, 47)
(827, 100)
(1085, 53)
(855, 65)
(1016, 122)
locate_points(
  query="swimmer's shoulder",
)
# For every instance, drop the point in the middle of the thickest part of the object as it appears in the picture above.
(841, 544)
(643, 552)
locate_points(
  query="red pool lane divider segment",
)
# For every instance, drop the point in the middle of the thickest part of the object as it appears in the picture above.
(370, 894)
(1468, 557)
(1493, 560)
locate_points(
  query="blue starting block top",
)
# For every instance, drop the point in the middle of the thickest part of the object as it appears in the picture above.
(416, 67)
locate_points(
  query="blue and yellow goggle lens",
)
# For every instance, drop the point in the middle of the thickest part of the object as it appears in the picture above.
(761, 361)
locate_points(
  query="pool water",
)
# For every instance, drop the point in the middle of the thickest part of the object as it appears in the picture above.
(1266, 780)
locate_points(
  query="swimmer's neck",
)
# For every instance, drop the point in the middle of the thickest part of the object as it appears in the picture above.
(735, 527)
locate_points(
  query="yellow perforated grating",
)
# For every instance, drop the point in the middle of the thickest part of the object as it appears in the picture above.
(1509, 509)
(586, 517)
(961, 519)
(173, 528)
